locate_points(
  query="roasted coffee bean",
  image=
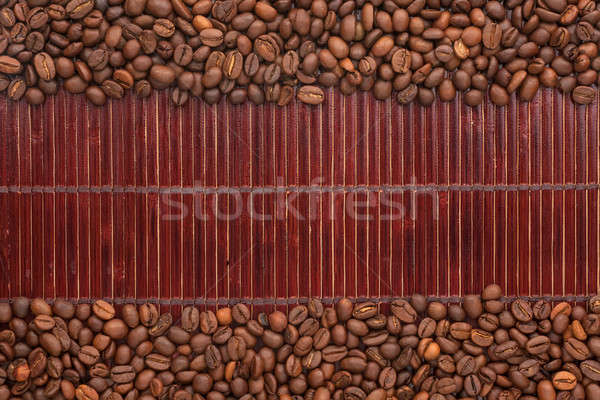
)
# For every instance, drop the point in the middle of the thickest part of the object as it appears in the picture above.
(401, 61)
(244, 42)
(122, 374)
(16, 89)
(583, 95)
(495, 356)
(9, 65)
(538, 345)
(266, 47)
(310, 95)
(364, 310)
(403, 310)
(190, 319)
(521, 310)
(77, 9)
(88, 355)
(564, 380)
(101, 308)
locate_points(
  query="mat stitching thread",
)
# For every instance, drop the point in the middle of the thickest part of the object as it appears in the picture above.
(292, 189)
(302, 300)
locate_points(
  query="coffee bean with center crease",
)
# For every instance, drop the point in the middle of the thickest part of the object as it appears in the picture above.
(194, 38)
(492, 35)
(564, 380)
(9, 65)
(163, 28)
(582, 94)
(494, 355)
(267, 48)
(240, 313)
(406, 96)
(122, 374)
(211, 37)
(16, 89)
(401, 61)
(213, 357)
(403, 310)
(157, 362)
(310, 95)
(521, 309)
(44, 66)
(290, 62)
(85, 392)
(472, 385)
(37, 361)
(506, 350)
(190, 319)
(88, 355)
(77, 9)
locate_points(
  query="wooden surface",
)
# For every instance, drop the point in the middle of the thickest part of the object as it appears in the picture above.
(366, 198)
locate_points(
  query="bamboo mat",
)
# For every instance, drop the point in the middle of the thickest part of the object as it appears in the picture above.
(354, 198)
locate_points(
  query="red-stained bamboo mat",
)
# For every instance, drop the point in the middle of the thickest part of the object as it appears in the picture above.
(353, 198)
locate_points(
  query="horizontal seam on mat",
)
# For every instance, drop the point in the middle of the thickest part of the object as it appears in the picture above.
(294, 189)
(303, 300)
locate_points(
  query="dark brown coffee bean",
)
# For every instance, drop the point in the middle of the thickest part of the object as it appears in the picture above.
(88, 355)
(77, 9)
(538, 345)
(591, 369)
(521, 310)
(583, 95)
(310, 95)
(164, 28)
(401, 61)
(162, 76)
(403, 310)
(251, 64)
(481, 338)
(363, 311)
(95, 95)
(157, 362)
(290, 62)
(492, 35)
(44, 66)
(266, 47)
(16, 89)
(9, 65)
(122, 374)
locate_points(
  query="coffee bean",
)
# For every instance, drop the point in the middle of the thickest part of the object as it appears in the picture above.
(406, 96)
(521, 310)
(401, 61)
(9, 65)
(266, 47)
(163, 28)
(103, 310)
(577, 349)
(85, 392)
(583, 95)
(95, 95)
(16, 89)
(564, 380)
(88, 39)
(310, 95)
(88, 355)
(363, 311)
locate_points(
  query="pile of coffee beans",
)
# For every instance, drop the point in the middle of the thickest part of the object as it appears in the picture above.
(481, 348)
(271, 51)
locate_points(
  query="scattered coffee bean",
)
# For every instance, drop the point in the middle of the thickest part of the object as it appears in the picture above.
(480, 348)
(274, 52)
